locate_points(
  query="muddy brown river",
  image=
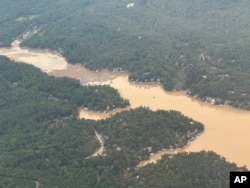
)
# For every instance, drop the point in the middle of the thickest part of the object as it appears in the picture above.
(226, 129)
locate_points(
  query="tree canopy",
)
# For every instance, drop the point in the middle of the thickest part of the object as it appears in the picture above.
(201, 46)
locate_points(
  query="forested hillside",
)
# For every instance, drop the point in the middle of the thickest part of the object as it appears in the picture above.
(44, 144)
(99, 98)
(184, 170)
(132, 136)
(201, 46)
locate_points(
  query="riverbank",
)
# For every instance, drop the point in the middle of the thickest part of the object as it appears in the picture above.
(226, 128)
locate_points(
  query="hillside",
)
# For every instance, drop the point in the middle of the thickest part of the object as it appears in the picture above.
(184, 170)
(44, 143)
(200, 46)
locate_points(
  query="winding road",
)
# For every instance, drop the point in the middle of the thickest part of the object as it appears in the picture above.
(101, 149)
(37, 184)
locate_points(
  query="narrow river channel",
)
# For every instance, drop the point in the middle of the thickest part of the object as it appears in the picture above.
(226, 129)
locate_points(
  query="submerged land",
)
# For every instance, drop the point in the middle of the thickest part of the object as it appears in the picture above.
(124, 57)
(133, 151)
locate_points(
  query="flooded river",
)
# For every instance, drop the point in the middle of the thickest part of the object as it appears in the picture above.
(43, 59)
(226, 129)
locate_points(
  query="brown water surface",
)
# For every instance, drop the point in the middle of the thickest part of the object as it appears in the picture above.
(226, 129)
(46, 60)
(85, 75)
(89, 114)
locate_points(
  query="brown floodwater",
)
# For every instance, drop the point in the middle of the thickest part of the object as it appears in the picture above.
(89, 114)
(226, 129)
(154, 157)
(85, 75)
(45, 60)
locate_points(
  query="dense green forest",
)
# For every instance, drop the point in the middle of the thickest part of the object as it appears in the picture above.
(44, 144)
(200, 46)
(184, 170)
(137, 133)
(23, 77)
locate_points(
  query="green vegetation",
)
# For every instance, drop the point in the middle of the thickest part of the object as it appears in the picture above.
(43, 142)
(203, 169)
(70, 91)
(40, 133)
(133, 135)
(201, 46)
